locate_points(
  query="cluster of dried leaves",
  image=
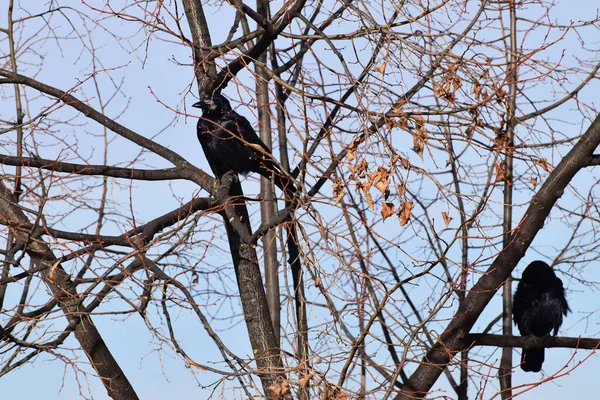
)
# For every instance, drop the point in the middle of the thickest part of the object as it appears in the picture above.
(379, 180)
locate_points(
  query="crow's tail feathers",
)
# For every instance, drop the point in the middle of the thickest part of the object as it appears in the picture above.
(532, 360)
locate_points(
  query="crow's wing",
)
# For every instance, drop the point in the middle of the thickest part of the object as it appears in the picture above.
(240, 127)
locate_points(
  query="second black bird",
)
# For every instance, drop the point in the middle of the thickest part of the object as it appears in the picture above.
(539, 305)
(231, 144)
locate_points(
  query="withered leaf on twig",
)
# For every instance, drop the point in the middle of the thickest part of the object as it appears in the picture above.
(352, 148)
(387, 210)
(533, 181)
(405, 212)
(366, 187)
(384, 188)
(500, 173)
(542, 162)
(303, 382)
(401, 189)
(447, 219)
(338, 190)
(280, 388)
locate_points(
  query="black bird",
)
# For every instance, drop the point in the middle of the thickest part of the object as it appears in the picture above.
(538, 308)
(231, 144)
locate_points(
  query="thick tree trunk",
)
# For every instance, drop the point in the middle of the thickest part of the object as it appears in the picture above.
(263, 339)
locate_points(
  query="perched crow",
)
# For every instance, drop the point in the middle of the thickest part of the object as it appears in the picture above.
(538, 308)
(230, 143)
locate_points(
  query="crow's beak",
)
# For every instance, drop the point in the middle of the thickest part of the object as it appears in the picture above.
(198, 104)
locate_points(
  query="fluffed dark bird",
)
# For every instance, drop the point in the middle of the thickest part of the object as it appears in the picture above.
(231, 144)
(539, 305)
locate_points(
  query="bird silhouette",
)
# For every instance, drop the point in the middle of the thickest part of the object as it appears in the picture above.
(231, 144)
(539, 305)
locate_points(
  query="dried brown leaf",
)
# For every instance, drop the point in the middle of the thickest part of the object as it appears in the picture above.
(401, 189)
(338, 190)
(371, 178)
(419, 140)
(533, 181)
(280, 388)
(500, 173)
(352, 148)
(500, 95)
(439, 90)
(276, 389)
(351, 155)
(456, 83)
(405, 212)
(384, 173)
(476, 91)
(403, 122)
(361, 168)
(366, 187)
(384, 188)
(542, 162)
(419, 122)
(387, 210)
(447, 219)
(304, 381)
